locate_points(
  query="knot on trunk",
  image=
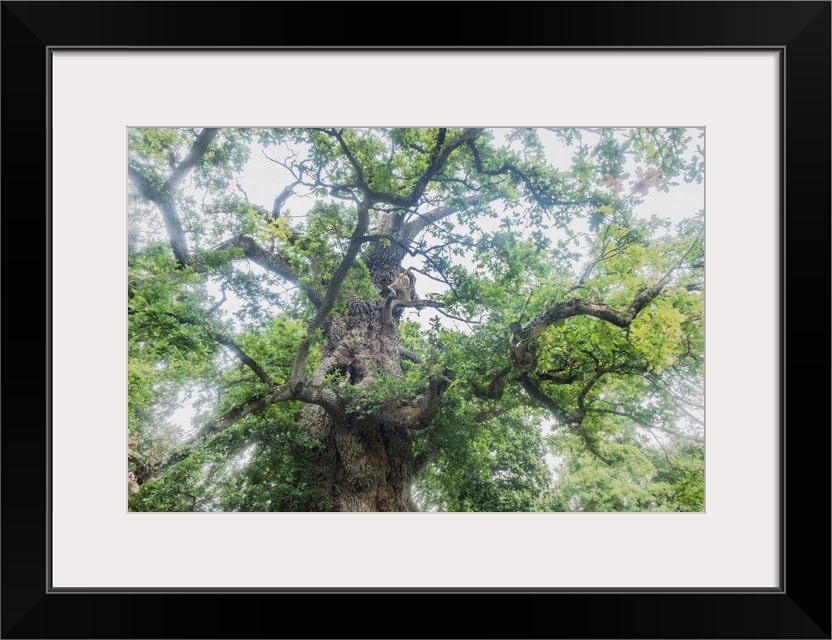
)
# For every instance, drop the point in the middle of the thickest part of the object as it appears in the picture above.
(401, 289)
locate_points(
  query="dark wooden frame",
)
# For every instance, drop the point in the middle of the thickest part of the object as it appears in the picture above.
(799, 608)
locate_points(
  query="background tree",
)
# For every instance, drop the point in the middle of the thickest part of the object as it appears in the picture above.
(447, 310)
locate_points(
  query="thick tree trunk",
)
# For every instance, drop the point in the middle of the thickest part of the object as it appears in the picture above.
(365, 464)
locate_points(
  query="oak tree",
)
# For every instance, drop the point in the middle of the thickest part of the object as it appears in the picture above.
(429, 318)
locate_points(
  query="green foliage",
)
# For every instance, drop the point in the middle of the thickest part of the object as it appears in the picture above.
(541, 217)
(259, 464)
(494, 465)
(643, 479)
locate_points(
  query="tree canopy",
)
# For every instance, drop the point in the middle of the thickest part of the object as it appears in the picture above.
(415, 319)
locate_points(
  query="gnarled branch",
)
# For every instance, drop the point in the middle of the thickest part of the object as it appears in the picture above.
(420, 413)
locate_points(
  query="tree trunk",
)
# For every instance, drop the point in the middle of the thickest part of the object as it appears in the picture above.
(366, 463)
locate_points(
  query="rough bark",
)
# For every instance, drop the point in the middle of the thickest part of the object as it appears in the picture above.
(366, 462)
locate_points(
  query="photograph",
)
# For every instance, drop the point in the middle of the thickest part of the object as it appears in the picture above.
(453, 274)
(343, 319)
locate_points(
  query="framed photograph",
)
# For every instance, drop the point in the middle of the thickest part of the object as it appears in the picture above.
(116, 104)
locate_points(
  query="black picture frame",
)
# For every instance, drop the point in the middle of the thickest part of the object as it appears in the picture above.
(799, 608)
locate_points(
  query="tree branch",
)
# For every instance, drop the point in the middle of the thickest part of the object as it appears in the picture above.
(304, 392)
(244, 357)
(294, 234)
(271, 261)
(328, 302)
(407, 354)
(682, 405)
(359, 171)
(423, 459)
(560, 378)
(227, 342)
(419, 414)
(537, 196)
(200, 146)
(417, 304)
(574, 423)
(438, 157)
(495, 388)
(253, 404)
(580, 306)
(682, 259)
(281, 199)
(142, 184)
(647, 425)
(423, 220)
(164, 199)
(587, 388)
(493, 412)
